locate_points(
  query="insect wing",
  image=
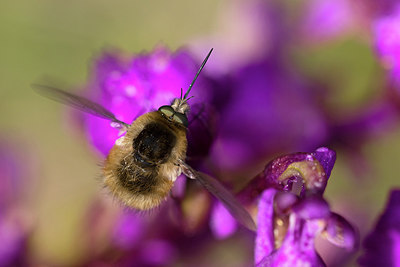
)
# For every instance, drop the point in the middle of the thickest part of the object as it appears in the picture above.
(77, 102)
(222, 194)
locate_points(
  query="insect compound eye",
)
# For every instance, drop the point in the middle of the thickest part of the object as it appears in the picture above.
(171, 114)
(168, 111)
(181, 118)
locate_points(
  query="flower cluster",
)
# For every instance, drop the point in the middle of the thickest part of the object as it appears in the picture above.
(273, 92)
(237, 122)
(292, 212)
(132, 87)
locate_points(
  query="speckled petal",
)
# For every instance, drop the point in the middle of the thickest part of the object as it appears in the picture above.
(298, 247)
(313, 169)
(327, 158)
(285, 171)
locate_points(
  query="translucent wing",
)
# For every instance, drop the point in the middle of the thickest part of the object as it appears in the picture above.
(77, 102)
(222, 194)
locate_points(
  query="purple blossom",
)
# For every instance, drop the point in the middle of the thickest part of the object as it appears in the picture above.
(128, 90)
(130, 87)
(259, 97)
(159, 238)
(13, 239)
(294, 212)
(283, 173)
(254, 105)
(129, 230)
(261, 108)
(128, 238)
(222, 223)
(386, 32)
(374, 122)
(11, 177)
(157, 252)
(255, 100)
(325, 19)
(382, 245)
(326, 158)
(297, 248)
(351, 133)
(15, 225)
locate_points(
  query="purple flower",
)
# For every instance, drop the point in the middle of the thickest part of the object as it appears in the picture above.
(386, 31)
(382, 245)
(297, 247)
(294, 212)
(128, 238)
(11, 183)
(13, 239)
(353, 132)
(327, 18)
(222, 223)
(130, 87)
(129, 229)
(255, 118)
(15, 225)
(157, 252)
(284, 174)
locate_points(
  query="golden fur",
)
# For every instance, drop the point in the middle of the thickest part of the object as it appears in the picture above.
(166, 174)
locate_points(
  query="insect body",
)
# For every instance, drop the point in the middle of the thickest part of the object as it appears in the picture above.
(142, 166)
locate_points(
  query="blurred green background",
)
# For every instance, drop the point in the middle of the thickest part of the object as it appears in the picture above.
(59, 38)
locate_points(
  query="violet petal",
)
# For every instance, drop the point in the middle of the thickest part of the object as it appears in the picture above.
(284, 201)
(314, 207)
(340, 232)
(129, 230)
(382, 245)
(298, 247)
(130, 90)
(222, 223)
(327, 158)
(265, 236)
(387, 39)
(157, 252)
(327, 18)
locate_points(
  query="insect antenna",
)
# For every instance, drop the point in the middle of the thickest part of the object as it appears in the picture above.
(197, 75)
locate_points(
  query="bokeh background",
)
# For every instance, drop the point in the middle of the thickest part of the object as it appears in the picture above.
(60, 38)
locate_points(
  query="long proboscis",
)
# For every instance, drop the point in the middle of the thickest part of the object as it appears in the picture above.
(197, 74)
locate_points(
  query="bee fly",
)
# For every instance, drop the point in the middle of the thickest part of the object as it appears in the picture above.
(142, 166)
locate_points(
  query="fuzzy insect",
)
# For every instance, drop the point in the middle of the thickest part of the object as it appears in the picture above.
(143, 164)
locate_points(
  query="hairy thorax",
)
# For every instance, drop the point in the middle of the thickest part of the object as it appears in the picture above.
(142, 166)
